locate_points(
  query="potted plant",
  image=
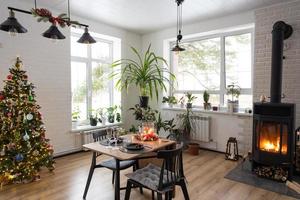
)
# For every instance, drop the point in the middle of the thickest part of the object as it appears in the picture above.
(233, 91)
(102, 117)
(190, 99)
(144, 114)
(147, 73)
(171, 100)
(206, 105)
(111, 111)
(75, 118)
(182, 101)
(93, 118)
(118, 114)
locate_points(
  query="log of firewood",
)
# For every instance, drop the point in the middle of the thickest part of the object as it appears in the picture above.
(293, 186)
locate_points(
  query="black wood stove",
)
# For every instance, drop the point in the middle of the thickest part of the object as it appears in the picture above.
(273, 122)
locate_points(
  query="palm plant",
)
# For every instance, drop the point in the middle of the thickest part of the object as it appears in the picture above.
(147, 73)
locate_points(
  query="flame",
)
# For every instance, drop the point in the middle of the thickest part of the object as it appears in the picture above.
(273, 146)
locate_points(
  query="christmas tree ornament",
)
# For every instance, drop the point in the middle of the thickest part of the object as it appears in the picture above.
(29, 116)
(2, 153)
(2, 97)
(19, 157)
(11, 146)
(35, 153)
(26, 136)
(9, 114)
(9, 77)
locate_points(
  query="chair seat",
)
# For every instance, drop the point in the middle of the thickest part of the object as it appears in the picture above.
(148, 176)
(111, 164)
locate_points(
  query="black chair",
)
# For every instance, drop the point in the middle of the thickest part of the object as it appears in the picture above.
(109, 164)
(161, 180)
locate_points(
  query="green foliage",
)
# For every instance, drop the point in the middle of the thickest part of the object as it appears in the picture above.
(206, 96)
(190, 97)
(148, 73)
(170, 100)
(234, 91)
(23, 144)
(76, 115)
(144, 114)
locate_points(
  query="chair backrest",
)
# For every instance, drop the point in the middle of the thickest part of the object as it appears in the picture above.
(99, 135)
(172, 167)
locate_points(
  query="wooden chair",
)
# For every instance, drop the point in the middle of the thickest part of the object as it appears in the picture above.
(161, 180)
(109, 164)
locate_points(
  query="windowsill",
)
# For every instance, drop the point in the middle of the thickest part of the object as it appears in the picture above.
(223, 111)
(82, 128)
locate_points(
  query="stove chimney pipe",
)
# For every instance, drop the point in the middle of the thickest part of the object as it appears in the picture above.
(281, 31)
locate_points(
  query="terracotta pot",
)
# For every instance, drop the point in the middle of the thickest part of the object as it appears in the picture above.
(193, 149)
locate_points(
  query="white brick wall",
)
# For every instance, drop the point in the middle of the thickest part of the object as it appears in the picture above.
(264, 20)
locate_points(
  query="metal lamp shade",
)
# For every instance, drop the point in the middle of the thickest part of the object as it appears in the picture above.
(177, 48)
(86, 38)
(53, 33)
(12, 24)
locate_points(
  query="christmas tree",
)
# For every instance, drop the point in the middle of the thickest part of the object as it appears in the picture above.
(24, 150)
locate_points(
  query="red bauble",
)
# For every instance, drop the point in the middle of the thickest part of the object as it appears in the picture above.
(9, 77)
(9, 114)
(1, 97)
(25, 77)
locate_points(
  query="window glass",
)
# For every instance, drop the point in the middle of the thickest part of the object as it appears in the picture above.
(101, 50)
(79, 88)
(78, 49)
(198, 67)
(238, 60)
(100, 86)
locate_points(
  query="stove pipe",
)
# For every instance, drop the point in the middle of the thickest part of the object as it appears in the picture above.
(281, 31)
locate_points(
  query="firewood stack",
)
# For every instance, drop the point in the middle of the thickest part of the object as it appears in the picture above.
(274, 173)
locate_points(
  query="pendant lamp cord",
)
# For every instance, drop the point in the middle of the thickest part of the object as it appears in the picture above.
(69, 15)
(35, 4)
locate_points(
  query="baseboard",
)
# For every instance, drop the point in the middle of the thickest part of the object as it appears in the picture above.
(65, 153)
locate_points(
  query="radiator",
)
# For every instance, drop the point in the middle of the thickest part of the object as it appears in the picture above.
(200, 128)
(87, 137)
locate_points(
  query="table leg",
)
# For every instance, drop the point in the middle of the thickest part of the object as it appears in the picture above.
(117, 179)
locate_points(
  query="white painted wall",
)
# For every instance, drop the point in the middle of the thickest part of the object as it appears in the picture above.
(48, 67)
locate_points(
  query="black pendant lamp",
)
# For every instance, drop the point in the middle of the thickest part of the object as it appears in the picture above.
(177, 48)
(12, 25)
(86, 38)
(53, 33)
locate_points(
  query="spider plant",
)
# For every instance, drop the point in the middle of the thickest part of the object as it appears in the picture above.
(148, 73)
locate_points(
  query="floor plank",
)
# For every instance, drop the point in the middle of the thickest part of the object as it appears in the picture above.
(204, 175)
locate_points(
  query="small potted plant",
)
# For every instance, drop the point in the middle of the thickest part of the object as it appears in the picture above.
(93, 118)
(75, 118)
(102, 117)
(206, 105)
(118, 115)
(171, 100)
(111, 111)
(182, 101)
(233, 91)
(190, 99)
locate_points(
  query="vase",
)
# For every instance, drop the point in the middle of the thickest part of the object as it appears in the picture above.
(206, 106)
(193, 149)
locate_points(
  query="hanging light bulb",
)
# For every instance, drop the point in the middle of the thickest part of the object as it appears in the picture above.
(12, 26)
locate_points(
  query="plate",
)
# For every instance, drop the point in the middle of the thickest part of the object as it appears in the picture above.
(134, 146)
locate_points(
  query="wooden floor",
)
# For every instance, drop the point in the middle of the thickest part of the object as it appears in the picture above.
(204, 174)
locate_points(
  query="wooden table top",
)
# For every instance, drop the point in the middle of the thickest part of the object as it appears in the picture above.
(116, 153)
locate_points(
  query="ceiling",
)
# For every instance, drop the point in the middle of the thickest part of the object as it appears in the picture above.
(143, 16)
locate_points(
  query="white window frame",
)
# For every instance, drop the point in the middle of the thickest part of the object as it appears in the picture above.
(89, 60)
(222, 92)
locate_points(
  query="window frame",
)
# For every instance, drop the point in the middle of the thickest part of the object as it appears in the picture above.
(222, 91)
(89, 67)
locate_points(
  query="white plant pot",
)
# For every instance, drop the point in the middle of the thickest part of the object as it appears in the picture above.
(103, 119)
(233, 106)
(74, 124)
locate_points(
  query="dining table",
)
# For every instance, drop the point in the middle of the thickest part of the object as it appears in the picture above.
(121, 154)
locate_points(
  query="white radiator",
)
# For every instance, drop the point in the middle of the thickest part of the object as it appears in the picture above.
(200, 128)
(87, 137)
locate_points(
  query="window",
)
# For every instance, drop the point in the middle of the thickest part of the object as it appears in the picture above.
(90, 69)
(211, 64)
